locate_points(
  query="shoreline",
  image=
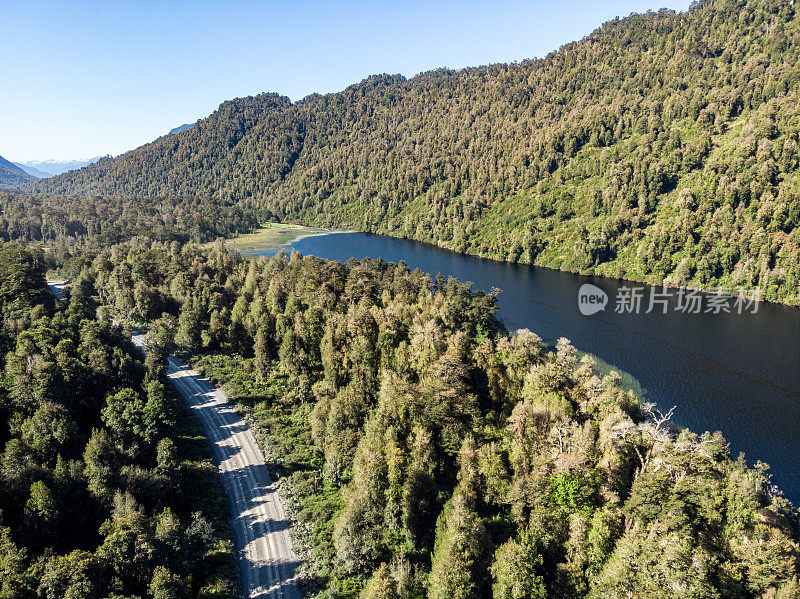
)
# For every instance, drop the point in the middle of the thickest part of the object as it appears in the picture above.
(272, 237)
(267, 247)
(318, 232)
(762, 299)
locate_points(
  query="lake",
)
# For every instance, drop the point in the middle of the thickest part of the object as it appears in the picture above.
(728, 371)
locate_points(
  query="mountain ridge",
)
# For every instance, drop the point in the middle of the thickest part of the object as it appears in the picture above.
(662, 148)
(31, 170)
(52, 168)
(11, 174)
(180, 128)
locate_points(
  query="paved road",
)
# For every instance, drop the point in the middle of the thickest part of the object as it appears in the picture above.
(261, 530)
(57, 288)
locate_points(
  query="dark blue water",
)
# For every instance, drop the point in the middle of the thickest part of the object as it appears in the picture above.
(734, 373)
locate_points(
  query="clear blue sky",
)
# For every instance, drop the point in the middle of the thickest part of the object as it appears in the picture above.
(78, 79)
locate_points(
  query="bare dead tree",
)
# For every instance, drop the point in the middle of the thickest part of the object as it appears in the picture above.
(648, 434)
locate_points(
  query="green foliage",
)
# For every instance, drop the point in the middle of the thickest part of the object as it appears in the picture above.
(124, 416)
(380, 586)
(572, 492)
(422, 450)
(166, 458)
(48, 431)
(41, 218)
(516, 571)
(41, 511)
(22, 284)
(188, 334)
(78, 575)
(662, 147)
(166, 585)
(93, 497)
(425, 452)
(100, 460)
(460, 559)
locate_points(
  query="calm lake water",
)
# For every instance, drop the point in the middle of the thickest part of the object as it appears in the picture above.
(731, 372)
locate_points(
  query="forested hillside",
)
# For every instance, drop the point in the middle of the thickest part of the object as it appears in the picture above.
(662, 147)
(11, 174)
(425, 452)
(26, 217)
(107, 489)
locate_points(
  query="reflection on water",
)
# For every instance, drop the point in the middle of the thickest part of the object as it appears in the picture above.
(737, 373)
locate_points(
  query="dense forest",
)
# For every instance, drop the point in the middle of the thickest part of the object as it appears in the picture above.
(663, 147)
(37, 218)
(107, 489)
(426, 452)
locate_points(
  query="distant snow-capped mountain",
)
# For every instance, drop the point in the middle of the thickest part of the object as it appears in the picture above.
(49, 168)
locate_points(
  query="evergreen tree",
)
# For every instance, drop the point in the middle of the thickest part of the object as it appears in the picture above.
(460, 561)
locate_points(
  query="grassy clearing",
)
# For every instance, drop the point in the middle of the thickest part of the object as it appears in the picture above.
(272, 236)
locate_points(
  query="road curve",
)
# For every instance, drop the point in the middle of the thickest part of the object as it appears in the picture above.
(267, 561)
